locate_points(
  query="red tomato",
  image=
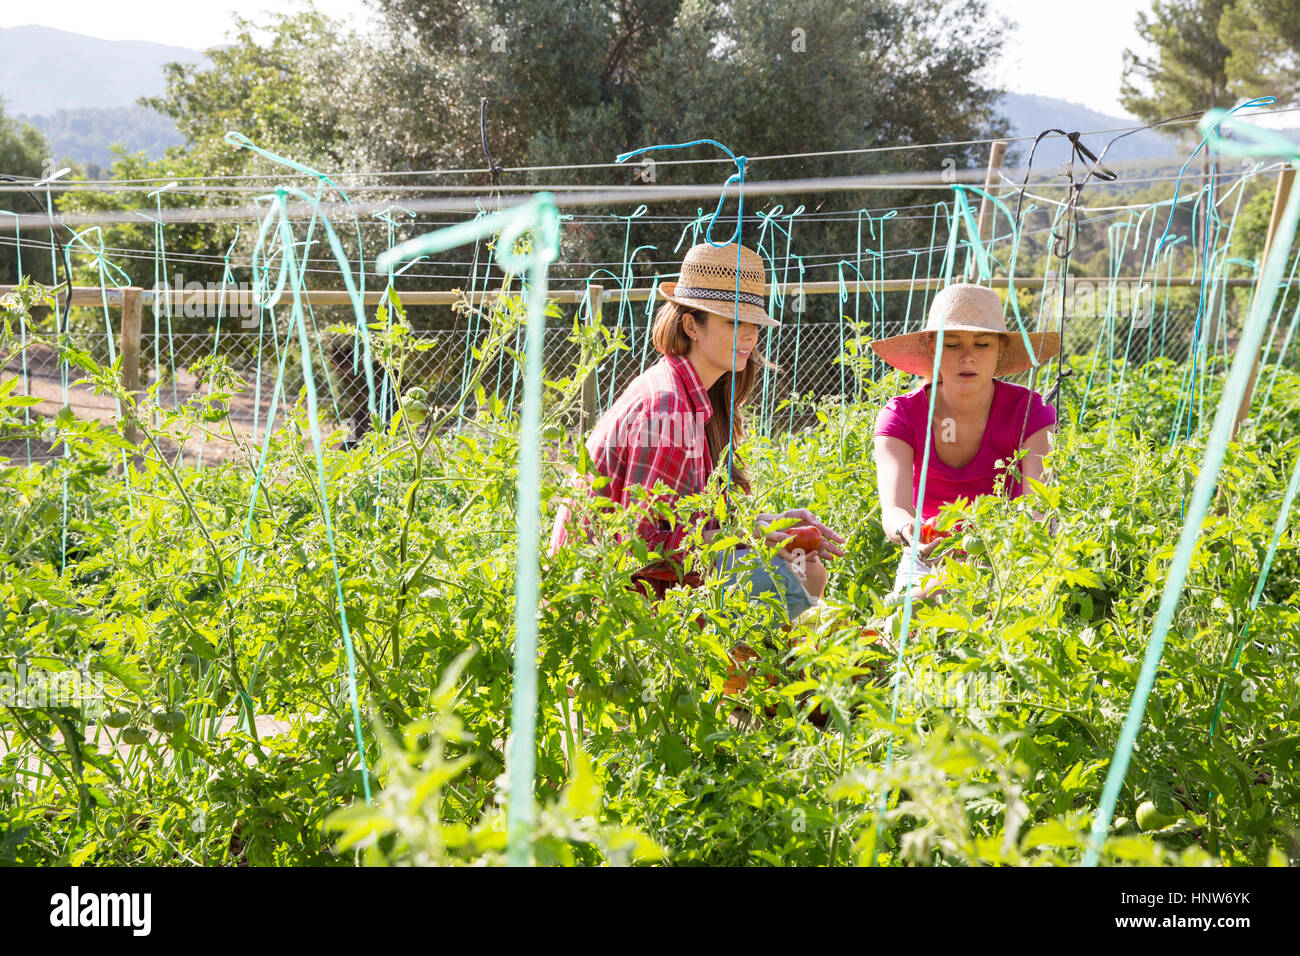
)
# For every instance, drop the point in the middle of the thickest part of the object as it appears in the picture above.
(805, 538)
(930, 531)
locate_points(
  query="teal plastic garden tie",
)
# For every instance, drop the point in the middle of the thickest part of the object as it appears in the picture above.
(63, 368)
(1277, 322)
(776, 302)
(775, 305)
(278, 213)
(121, 280)
(962, 213)
(646, 342)
(877, 276)
(541, 216)
(238, 139)
(584, 309)
(624, 304)
(913, 546)
(22, 335)
(472, 322)
(1279, 526)
(227, 281)
(1265, 143)
(161, 286)
(1150, 327)
(1286, 342)
(798, 313)
(313, 418)
(693, 227)
(798, 334)
(737, 177)
(1258, 101)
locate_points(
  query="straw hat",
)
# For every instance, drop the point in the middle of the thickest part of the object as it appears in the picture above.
(963, 307)
(708, 283)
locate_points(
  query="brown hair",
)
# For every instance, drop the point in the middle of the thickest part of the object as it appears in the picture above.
(670, 338)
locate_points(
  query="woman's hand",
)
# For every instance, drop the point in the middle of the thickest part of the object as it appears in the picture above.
(904, 534)
(831, 539)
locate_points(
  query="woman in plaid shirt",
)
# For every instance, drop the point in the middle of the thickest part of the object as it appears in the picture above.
(673, 422)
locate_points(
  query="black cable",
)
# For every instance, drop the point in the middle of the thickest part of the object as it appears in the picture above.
(1066, 241)
(482, 130)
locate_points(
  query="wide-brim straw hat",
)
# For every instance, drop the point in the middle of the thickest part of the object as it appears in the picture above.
(964, 307)
(708, 282)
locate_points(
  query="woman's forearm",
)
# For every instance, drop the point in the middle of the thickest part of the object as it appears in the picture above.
(892, 517)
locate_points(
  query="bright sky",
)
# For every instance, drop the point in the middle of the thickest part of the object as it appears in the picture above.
(1071, 51)
(193, 25)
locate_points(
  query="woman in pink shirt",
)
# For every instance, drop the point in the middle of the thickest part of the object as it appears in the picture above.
(979, 424)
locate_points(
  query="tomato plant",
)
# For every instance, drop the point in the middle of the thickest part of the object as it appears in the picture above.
(702, 727)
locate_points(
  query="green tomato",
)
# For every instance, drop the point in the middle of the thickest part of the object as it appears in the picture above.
(973, 545)
(1149, 818)
(684, 705)
(167, 721)
(134, 736)
(415, 411)
(622, 695)
(553, 433)
(415, 394)
(589, 692)
(117, 719)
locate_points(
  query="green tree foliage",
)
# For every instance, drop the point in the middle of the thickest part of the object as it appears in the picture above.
(282, 92)
(1189, 70)
(577, 82)
(81, 136)
(267, 85)
(23, 152)
(1264, 39)
(1188, 74)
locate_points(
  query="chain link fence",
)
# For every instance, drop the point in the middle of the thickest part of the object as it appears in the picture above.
(805, 362)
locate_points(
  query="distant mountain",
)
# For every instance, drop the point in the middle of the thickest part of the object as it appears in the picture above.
(43, 70)
(85, 135)
(1030, 115)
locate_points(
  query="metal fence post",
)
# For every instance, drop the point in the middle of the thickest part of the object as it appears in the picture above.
(595, 298)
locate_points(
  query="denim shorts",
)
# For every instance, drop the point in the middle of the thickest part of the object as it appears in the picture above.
(774, 577)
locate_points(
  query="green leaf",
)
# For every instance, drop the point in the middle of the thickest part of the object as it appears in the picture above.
(125, 671)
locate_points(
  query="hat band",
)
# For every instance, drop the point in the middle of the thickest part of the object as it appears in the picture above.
(717, 295)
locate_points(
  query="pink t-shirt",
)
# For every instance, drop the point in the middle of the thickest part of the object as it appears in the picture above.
(904, 417)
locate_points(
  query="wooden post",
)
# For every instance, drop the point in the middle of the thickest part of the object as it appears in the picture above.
(1284, 180)
(595, 300)
(997, 153)
(132, 313)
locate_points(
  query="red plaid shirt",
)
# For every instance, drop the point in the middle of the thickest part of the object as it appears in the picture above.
(654, 432)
